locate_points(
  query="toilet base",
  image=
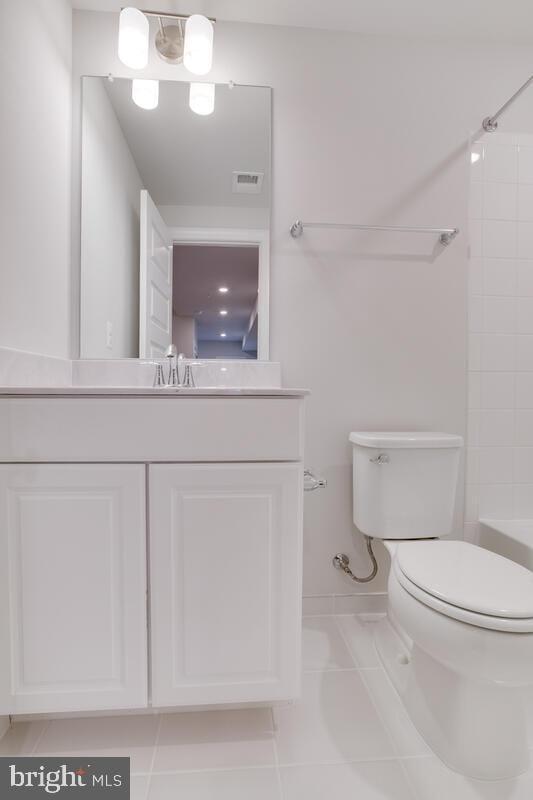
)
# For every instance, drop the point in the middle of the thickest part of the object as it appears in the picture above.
(477, 728)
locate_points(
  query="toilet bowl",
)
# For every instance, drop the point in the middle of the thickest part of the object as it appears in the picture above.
(457, 641)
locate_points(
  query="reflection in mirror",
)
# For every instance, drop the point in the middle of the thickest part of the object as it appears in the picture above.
(175, 223)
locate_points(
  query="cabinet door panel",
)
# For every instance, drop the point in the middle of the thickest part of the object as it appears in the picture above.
(73, 555)
(225, 551)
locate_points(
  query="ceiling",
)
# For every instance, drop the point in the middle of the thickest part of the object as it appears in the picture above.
(493, 20)
(198, 272)
(187, 159)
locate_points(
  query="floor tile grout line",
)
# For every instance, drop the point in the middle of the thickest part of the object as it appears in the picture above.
(276, 755)
(345, 640)
(41, 736)
(154, 753)
(259, 767)
(379, 713)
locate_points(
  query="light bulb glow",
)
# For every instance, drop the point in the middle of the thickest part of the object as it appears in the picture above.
(223, 312)
(223, 289)
(202, 98)
(145, 93)
(198, 44)
(223, 335)
(133, 38)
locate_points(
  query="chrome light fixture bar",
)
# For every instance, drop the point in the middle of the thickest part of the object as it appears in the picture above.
(193, 45)
(446, 235)
(490, 124)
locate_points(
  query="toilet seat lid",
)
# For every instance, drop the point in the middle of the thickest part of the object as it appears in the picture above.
(468, 577)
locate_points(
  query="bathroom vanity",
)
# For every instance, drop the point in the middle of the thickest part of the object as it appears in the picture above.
(150, 547)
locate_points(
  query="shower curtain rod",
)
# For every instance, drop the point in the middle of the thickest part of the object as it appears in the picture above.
(446, 235)
(490, 124)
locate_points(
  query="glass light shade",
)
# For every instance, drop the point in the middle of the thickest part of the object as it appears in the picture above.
(202, 98)
(133, 38)
(198, 45)
(145, 93)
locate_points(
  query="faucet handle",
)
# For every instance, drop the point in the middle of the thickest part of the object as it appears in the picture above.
(159, 378)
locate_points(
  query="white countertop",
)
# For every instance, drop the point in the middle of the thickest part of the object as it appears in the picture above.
(148, 391)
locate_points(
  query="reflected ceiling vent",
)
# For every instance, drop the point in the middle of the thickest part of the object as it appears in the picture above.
(247, 182)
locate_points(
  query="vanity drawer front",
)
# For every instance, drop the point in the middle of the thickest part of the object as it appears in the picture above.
(173, 429)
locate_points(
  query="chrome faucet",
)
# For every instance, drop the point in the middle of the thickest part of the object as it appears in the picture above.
(173, 376)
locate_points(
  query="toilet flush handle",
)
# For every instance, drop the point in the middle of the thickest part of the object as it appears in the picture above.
(382, 458)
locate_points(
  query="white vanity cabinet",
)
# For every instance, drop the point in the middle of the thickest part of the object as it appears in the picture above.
(216, 561)
(72, 587)
(225, 588)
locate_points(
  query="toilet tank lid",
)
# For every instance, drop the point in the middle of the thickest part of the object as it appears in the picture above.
(404, 439)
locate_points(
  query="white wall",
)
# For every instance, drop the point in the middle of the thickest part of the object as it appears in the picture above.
(35, 175)
(500, 393)
(110, 208)
(374, 130)
(215, 217)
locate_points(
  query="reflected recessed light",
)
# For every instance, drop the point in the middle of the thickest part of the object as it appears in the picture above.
(223, 289)
(223, 312)
(223, 335)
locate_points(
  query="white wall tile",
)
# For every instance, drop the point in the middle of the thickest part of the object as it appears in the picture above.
(496, 465)
(524, 314)
(475, 276)
(472, 504)
(499, 200)
(474, 390)
(523, 428)
(524, 278)
(497, 352)
(500, 163)
(496, 501)
(525, 202)
(525, 164)
(475, 314)
(473, 428)
(496, 427)
(524, 390)
(499, 239)
(475, 204)
(523, 501)
(472, 465)
(524, 353)
(524, 246)
(497, 389)
(499, 277)
(476, 238)
(477, 161)
(499, 314)
(474, 351)
(523, 465)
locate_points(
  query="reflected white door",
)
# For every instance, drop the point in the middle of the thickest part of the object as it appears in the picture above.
(155, 302)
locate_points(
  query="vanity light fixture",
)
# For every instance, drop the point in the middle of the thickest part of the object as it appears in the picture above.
(223, 312)
(188, 39)
(198, 45)
(145, 93)
(202, 98)
(133, 38)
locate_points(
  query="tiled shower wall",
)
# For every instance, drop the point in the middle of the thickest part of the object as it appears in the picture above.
(500, 361)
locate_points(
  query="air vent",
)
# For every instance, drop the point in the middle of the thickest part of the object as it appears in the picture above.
(247, 182)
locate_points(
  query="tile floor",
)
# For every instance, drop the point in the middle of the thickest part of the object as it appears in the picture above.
(348, 737)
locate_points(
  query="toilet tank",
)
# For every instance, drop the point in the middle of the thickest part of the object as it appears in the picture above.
(404, 484)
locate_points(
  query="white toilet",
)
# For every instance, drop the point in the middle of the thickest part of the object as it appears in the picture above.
(457, 641)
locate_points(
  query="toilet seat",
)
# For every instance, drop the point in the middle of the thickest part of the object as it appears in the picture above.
(467, 583)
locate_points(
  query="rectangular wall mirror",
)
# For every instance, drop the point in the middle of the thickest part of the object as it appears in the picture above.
(175, 222)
